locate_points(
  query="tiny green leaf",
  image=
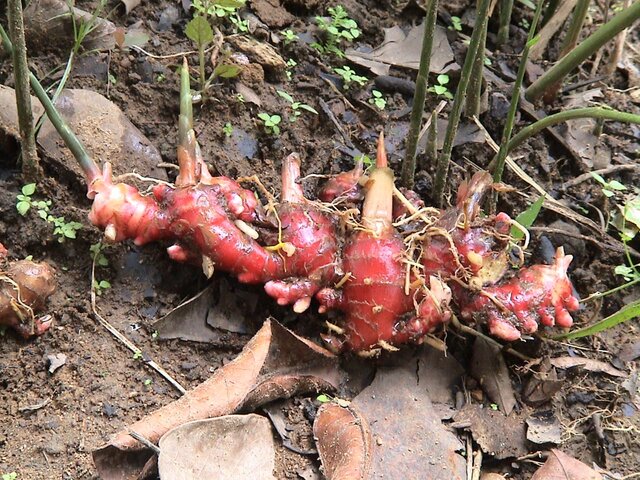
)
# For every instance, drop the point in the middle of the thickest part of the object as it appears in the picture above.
(199, 31)
(285, 95)
(29, 189)
(23, 208)
(226, 71)
(527, 218)
(323, 398)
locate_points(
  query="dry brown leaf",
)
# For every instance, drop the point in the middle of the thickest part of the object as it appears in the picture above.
(275, 363)
(402, 417)
(560, 466)
(498, 435)
(343, 438)
(588, 364)
(489, 368)
(233, 446)
(403, 50)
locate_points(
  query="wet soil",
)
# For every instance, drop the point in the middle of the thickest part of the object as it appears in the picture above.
(49, 423)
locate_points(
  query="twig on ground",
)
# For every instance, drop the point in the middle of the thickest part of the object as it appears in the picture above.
(124, 340)
(603, 171)
(345, 137)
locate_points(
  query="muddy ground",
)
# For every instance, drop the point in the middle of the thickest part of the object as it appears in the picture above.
(49, 423)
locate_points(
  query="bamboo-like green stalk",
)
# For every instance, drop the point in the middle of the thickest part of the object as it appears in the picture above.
(506, 8)
(474, 91)
(431, 151)
(456, 110)
(409, 164)
(70, 139)
(515, 100)
(589, 46)
(569, 43)
(31, 169)
(575, 27)
(588, 112)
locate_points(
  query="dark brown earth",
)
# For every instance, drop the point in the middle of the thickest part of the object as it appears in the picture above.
(49, 423)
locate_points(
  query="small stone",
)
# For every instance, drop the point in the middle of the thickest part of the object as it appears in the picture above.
(109, 410)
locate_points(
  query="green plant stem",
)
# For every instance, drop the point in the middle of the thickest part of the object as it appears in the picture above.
(409, 164)
(70, 139)
(31, 169)
(588, 112)
(458, 101)
(431, 151)
(474, 91)
(202, 70)
(506, 7)
(589, 46)
(577, 21)
(513, 106)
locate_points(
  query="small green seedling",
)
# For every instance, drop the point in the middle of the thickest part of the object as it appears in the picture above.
(350, 77)
(441, 88)
(289, 36)
(366, 160)
(456, 24)
(217, 8)
(147, 382)
(608, 188)
(101, 286)
(378, 100)
(62, 228)
(291, 63)
(240, 24)
(296, 107)
(324, 398)
(271, 123)
(97, 254)
(200, 32)
(337, 29)
(9, 476)
(137, 355)
(227, 129)
(629, 273)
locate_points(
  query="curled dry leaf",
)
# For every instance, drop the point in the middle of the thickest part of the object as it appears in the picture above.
(274, 364)
(343, 438)
(233, 446)
(588, 364)
(489, 368)
(560, 466)
(497, 434)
